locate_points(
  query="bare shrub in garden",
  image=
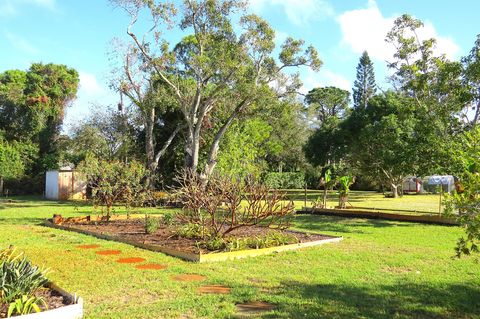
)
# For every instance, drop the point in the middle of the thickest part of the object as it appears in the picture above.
(221, 204)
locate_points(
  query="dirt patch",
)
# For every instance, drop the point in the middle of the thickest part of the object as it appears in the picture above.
(255, 307)
(134, 230)
(88, 246)
(189, 277)
(53, 299)
(151, 267)
(130, 260)
(108, 252)
(214, 289)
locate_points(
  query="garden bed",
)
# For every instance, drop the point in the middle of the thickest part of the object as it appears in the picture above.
(61, 305)
(358, 213)
(132, 231)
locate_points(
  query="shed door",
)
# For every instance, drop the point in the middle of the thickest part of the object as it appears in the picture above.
(64, 185)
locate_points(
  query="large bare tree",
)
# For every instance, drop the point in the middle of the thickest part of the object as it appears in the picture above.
(216, 71)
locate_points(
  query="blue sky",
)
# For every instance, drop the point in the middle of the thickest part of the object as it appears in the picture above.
(78, 33)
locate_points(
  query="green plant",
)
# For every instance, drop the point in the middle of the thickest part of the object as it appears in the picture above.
(168, 219)
(151, 224)
(114, 182)
(215, 243)
(19, 281)
(344, 184)
(285, 180)
(191, 230)
(26, 305)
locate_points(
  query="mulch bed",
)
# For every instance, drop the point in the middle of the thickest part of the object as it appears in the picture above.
(131, 260)
(151, 267)
(53, 299)
(214, 289)
(134, 230)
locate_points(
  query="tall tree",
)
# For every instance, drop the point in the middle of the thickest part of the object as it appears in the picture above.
(327, 102)
(471, 78)
(11, 163)
(364, 87)
(32, 107)
(214, 73)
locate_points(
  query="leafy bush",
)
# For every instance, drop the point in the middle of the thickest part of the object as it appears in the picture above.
(271, 239)
(114, 182)
(287, 180)
(19, 281)
(192, 230)
(151, 224)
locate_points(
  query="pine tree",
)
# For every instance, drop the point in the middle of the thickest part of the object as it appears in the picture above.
(364, 87)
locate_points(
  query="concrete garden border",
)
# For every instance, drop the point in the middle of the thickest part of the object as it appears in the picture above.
(73, 311)
(355, 213)
(199, 257)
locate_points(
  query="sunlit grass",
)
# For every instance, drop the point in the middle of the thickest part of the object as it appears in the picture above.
(382, 269)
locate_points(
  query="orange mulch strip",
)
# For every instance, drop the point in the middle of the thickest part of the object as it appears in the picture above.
(190, 277)
(88, 246)
(108, 252)
(151, 266)
(213, 289)
(131, 260)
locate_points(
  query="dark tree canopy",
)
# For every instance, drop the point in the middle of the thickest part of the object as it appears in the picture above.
(327, 102)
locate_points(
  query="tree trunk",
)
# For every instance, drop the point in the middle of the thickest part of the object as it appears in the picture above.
(394, 190)
(325, 192)
(192, 147)
(1, 186)
(150, 146)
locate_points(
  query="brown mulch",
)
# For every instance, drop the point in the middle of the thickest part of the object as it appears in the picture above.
(130, 260)
(53, 299)
(151, 267)
(134, 230)
(108, 252)
(214, 289)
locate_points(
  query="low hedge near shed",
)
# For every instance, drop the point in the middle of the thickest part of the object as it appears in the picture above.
(285, 180)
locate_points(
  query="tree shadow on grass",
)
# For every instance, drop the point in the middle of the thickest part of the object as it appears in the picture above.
(319, 223)
(383, 301)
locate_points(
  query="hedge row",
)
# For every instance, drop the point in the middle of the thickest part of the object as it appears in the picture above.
(287, 180)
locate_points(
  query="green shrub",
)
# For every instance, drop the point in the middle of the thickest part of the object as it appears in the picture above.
(191, 230)
(19, 281)
(168, 219)
(271, 239)
(287, 180)
(151, 224)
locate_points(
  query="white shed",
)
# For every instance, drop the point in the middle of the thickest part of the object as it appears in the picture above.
(64, 184)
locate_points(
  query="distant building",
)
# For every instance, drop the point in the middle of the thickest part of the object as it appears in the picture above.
(412, 184)
(64, 184)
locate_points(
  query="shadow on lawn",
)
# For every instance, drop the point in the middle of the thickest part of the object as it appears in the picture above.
(384, 301)
(318, 223)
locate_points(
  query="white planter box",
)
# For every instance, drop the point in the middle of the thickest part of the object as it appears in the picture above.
(73, 311)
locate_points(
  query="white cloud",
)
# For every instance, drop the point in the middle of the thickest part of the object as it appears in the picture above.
(11, 7)
(20, 43)
(365, 29)
(324, 78)
(89, 85)
(299, 12)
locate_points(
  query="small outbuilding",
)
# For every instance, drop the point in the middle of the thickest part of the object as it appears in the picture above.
(434, 183)
(412, 184)
(64, 184)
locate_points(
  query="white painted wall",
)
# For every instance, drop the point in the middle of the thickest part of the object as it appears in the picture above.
(51, 185)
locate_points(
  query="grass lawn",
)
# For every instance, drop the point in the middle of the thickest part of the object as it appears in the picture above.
(382, 269)
(415, 202)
